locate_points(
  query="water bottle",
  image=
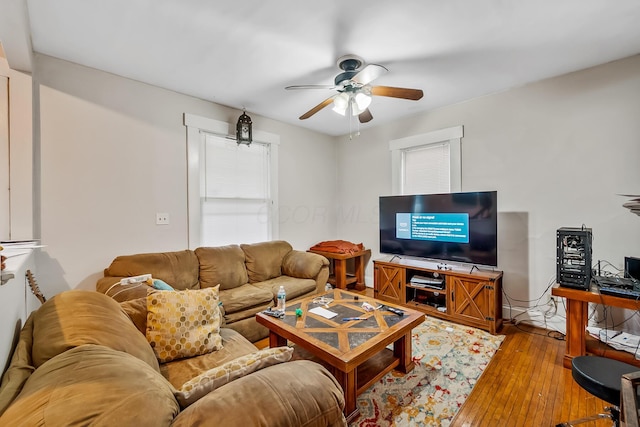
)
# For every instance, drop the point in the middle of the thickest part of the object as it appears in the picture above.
(282, 299)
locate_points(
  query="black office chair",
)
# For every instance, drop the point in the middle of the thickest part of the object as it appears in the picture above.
(602, 377)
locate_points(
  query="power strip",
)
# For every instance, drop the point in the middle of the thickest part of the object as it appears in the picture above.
(135, 279)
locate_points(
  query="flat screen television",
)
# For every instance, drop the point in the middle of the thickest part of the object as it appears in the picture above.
(458, 227)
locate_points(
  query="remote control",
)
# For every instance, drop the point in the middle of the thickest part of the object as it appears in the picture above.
(274, 313)
(394, 310)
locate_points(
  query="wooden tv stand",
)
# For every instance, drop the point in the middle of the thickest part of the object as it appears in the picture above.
(472, 298)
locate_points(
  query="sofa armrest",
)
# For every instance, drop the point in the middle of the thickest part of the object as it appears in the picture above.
(288, 394)
(303, 265)
(307, 265)
(20, 368)
(110, 287)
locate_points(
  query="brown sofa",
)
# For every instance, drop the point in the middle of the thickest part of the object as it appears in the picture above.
(249, 276)
(80, 360)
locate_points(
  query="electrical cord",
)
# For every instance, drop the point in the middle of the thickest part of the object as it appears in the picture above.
(126, 287)
(549, 313)
(550, 333)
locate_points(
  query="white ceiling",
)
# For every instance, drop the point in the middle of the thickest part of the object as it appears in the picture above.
(243, 53)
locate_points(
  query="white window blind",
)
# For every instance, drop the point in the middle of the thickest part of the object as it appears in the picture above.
(236, 203)
(427, 163)
(426, 169)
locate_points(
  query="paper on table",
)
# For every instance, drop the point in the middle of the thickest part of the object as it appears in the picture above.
(619, 340)
(327, 314)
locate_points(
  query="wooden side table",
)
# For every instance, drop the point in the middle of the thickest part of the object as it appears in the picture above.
(340, 278)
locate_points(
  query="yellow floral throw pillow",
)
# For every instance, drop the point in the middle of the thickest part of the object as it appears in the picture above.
(216, 377)
(183, 323)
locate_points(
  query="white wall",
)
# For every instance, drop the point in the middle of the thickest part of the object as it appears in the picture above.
(113, 153)
(558, 152)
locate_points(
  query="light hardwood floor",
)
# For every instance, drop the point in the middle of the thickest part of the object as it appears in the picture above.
(525, 385)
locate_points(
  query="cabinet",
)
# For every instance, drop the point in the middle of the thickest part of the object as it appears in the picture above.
(388, 282)
(456, 294)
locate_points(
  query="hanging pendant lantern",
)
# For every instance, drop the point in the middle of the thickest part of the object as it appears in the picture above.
(243, 130)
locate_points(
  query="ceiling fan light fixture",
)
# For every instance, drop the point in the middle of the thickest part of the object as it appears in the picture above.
(341, 103)
(362, 100)
(355, 91)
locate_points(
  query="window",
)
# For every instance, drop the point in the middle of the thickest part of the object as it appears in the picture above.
(232, 188)
(5, 205)
(427, 163)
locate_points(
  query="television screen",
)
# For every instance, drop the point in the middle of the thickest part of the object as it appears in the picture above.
(460, 227)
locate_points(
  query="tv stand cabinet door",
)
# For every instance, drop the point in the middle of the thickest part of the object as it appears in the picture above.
(388, 283)
(471, 301)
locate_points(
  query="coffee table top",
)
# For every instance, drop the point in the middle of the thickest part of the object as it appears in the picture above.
(341, 342)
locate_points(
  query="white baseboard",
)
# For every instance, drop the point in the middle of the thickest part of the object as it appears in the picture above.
(534, 317)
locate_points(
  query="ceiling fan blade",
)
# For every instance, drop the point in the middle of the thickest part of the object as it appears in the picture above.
(317, 108)
(369, 74)
(310, 87)
(365, 116)
(397, 92)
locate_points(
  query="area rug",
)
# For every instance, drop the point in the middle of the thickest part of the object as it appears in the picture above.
(449, 359)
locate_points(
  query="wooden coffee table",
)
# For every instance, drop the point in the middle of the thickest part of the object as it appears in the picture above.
(354, 351)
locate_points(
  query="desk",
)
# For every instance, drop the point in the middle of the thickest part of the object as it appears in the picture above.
(340, 279)
(577, 316)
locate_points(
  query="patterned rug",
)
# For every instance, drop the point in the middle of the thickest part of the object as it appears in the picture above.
(449, 360)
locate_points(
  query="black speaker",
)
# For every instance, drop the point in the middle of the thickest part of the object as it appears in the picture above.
(573, 257)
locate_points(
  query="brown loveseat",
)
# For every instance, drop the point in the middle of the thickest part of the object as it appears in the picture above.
(80, 360)
(249, 276)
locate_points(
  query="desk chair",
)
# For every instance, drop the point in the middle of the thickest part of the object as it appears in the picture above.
(603, 378)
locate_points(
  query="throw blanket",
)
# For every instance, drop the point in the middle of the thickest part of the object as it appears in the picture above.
(338, 247)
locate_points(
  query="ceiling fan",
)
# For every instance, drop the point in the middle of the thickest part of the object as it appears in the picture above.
(354, 89)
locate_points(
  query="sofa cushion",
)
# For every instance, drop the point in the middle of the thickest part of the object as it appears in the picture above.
(297, 393)
(292, 286)
(248, 313)
(264, 260)
(76, 317)
(180, 371)
(178, 269)
(136, 309)
(183, 324)
(223, 265)
(93, 385)
(250, 329)
(216, 377)
(244, 297)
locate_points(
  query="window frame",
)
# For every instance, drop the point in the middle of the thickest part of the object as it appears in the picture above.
(197, 127)
(451, 136)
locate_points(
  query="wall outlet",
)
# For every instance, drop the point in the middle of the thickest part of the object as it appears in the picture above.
(162, 218)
